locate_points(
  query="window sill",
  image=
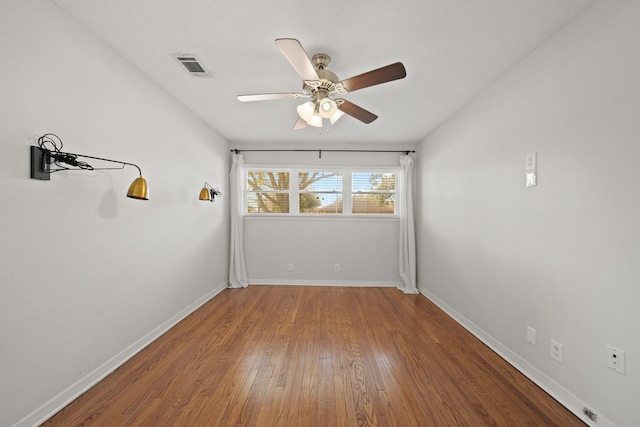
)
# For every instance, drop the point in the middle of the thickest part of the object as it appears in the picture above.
(298, 217)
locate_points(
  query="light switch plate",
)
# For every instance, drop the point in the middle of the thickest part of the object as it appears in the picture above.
(532, 180)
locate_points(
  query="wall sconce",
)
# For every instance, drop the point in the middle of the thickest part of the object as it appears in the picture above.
(42, 158)
(208, 193)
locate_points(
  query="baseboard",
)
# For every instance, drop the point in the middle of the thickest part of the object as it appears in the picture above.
(67, 396)
(555, 390)
(343, 283)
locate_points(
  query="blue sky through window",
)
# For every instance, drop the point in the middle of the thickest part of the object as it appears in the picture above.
(330, 183)
(361, 180)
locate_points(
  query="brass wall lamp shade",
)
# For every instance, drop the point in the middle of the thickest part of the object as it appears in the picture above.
(208, 193)
(48, 153)
(138, 188)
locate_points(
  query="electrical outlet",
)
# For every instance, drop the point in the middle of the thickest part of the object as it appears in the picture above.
(290, 266)
(556, 351)
(615, 359)
(531, 335)
(531, 161)
(336, 267)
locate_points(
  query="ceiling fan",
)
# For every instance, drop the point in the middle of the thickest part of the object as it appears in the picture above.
(324, 87)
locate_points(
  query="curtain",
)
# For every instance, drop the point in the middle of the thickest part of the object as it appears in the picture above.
(237, 267)
(407, 260)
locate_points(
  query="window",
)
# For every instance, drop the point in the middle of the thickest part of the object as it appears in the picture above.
(320, 192)
(267, 192)
(332, 192)
(373, 193)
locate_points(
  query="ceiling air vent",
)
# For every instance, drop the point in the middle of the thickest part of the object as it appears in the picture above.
(192, 64)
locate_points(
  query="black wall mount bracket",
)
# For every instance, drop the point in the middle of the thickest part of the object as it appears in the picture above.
(40, 164)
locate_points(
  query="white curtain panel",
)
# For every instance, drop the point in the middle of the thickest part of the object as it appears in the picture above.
(407, 230)
(237, 267)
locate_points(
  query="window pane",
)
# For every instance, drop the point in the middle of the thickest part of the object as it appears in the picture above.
(267, 180)
(267, 202)
(320, 181)
(373, 192)
(374, 181)
(321, 203)
(378, 203)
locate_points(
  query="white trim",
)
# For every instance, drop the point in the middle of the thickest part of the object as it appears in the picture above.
(322, 217)
(555, 390)
(342, 283)
(54, 405)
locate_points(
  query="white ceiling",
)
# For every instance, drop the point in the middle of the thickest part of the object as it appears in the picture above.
(451, 49)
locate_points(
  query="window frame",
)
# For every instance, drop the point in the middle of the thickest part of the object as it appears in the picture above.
(347, 191)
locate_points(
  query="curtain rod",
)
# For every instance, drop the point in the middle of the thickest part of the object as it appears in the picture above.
(320, 150)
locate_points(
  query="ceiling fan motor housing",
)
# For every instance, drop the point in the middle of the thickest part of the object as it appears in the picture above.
(326, 86)
(328, 76)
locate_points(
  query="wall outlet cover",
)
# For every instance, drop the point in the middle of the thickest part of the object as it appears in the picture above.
(615, 359)
(532, 160)
(556, 351)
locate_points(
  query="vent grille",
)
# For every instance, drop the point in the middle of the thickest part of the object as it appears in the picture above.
(192, 64)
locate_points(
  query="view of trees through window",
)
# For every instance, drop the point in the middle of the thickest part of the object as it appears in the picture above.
(268, 192)
(373, 192)
(320, 192)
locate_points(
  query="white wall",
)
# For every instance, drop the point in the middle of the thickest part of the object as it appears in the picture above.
(562, 257)
(87, 275)
(366, 249)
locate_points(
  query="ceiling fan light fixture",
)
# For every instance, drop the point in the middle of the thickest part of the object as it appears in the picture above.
(315, 120)
(336, 116)
(305, 111)
(327, 107)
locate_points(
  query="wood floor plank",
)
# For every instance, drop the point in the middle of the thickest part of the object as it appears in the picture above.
(270, 356)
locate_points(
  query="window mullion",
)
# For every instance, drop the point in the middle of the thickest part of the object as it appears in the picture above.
(294, 192)
(346, 193)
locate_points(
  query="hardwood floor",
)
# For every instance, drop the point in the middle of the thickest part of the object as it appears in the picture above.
(316, 356)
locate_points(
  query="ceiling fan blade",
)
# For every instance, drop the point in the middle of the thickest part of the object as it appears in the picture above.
(375, 77)
(269, 96)
(294, 52)
(355, 111)
(300, 124)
